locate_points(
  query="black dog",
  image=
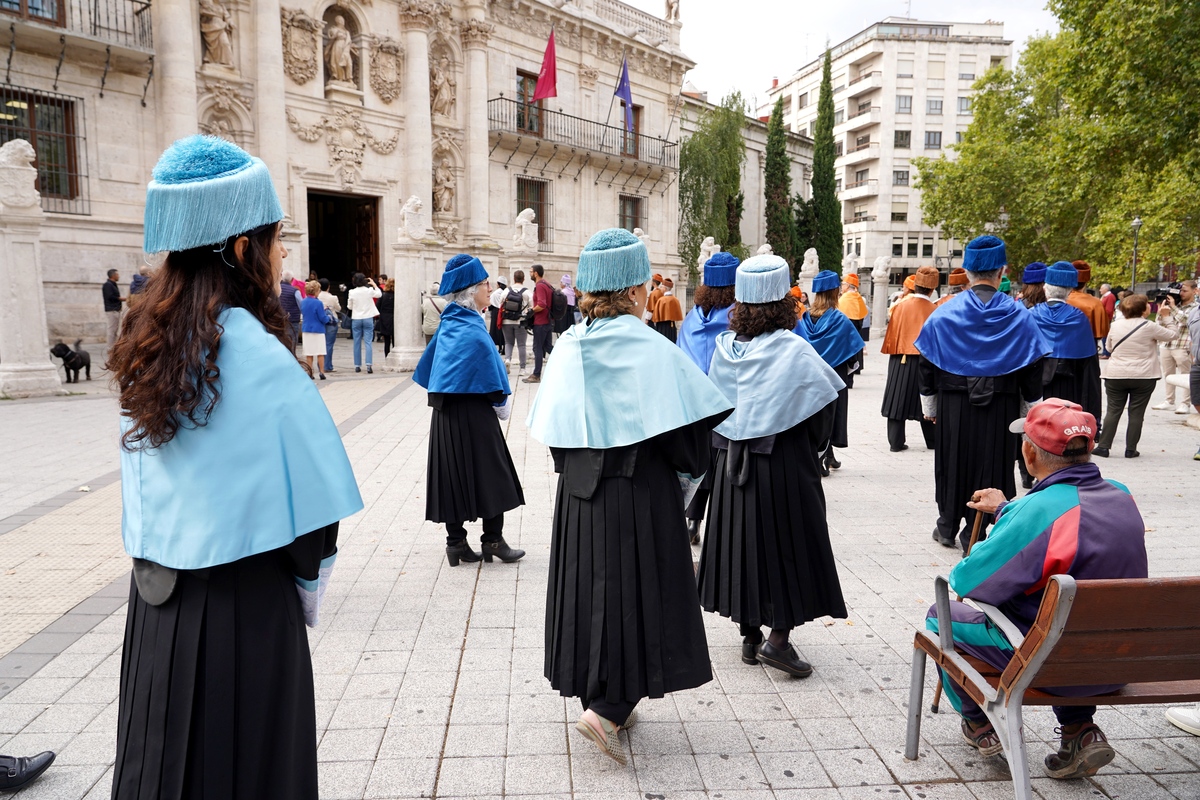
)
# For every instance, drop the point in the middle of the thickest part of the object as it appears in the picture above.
(73, 360)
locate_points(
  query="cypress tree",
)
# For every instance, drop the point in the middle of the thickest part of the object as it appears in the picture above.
(777, 189)
(826, 207)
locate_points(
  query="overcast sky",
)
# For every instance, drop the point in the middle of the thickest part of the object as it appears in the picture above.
(742, 44)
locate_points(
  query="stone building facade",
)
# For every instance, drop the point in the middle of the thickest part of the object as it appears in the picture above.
(398, 132)
(901, 88)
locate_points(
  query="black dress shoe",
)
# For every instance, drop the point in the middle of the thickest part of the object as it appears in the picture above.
(500, 549)
(898, 449)
(786, 660)
(750, 648)
(824, 465)
(1100, 451)
(1131, 453)
(944, 541)
(693, 526)
(18, 772)
(461, 552)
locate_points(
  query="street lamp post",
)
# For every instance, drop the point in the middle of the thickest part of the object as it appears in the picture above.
(1137, 226)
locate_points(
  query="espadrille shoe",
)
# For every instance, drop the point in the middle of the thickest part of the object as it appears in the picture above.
(604, 733)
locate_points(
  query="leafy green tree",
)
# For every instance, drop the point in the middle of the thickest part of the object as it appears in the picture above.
(777, 189)
(826, 208)
(710, 177)
(806, 229)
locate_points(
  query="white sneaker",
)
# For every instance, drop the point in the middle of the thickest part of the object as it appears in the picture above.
(1182, 408)
(1163, 406)
(1187, 719)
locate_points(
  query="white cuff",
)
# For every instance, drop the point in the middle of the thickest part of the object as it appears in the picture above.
(929, 405)
(505, 410)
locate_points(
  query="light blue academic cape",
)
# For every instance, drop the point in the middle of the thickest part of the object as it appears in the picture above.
(774, 381)
(268, 466)
(616, 382)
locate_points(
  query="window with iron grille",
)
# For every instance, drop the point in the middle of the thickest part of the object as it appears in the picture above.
(48, 11)
(48, 121)
(535, 193)
(631, 210)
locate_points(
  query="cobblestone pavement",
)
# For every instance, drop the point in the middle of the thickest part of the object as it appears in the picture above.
(429, 679)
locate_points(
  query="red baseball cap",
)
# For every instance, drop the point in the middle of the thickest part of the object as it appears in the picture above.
(1054, 422)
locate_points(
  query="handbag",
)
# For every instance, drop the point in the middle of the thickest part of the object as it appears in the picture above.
(345, 324)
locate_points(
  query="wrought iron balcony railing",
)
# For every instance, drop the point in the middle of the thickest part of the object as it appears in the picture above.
(527, 119)
(119, 22)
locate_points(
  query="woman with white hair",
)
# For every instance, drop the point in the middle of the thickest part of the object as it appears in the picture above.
(470, 472)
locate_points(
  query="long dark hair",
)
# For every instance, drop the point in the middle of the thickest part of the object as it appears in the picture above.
(165, 361)
(710, 297)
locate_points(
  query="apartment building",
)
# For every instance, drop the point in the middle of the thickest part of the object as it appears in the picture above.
(901, 89)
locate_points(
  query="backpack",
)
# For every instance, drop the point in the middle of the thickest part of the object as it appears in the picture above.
(558, 305)
(512, 304)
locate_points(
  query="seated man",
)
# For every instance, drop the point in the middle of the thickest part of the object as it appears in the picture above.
(1073, 522)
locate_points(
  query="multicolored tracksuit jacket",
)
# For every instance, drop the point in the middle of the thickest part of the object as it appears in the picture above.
(1073, 522)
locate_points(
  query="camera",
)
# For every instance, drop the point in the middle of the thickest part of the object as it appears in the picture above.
(1172, 291)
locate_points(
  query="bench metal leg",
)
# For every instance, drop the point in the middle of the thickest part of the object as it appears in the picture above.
(916, 697)
(1008, 724)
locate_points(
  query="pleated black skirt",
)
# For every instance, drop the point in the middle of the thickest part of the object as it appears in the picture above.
(973, 450)
(841, 405)
(216, 698)
(767, 559)
(470, 473)
(1077, 380)
(902, 396)
(622, 622)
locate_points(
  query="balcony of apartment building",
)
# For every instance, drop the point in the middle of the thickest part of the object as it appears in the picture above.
(858, 154)
(861, 116)
(864, 83)
(858, 189)
(120, 27)
(534, 135)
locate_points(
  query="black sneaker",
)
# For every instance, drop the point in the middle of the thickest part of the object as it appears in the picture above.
(1080, 754)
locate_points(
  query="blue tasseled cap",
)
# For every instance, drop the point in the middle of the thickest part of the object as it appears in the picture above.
(1062, 273)
(1034, 273)
(826, 280)
(984, 254)
(721, 270)
(205, 190)
(462, 271)
(762, 279)
(613, 259)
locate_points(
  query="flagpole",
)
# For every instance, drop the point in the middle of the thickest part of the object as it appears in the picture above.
(612, 101)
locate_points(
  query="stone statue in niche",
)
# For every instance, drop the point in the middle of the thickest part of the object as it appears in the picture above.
(526, 237)
(672, 12)
(339, 52)
(708, 248)
(216, 29)
(441, 87)
(443, 188)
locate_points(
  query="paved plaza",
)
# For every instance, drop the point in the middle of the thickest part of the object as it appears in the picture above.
(429, 678)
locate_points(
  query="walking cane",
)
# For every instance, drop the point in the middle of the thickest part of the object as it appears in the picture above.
(937, 694)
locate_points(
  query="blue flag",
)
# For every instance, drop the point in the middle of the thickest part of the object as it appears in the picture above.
(623, 92)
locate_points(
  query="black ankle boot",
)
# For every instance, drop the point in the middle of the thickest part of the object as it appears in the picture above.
(500, 549)
(461, 552)
(832, 461)
(693, 526)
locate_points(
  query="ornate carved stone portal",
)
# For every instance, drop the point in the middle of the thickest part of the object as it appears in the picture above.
(347, 139)
(387, 67)
(301, 45)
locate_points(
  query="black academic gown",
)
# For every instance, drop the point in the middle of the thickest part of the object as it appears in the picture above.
(216, 697)
(470, 474)
(622, 622)
(1074, 379)
(973, 448)
(767, 559)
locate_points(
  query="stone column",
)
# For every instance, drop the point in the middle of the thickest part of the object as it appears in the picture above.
(475, 33)
(418, 16)
(25, 366)
(880, 275)
(270, 118)
(175, 23)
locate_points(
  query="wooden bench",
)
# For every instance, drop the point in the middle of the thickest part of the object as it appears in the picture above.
(1141, 633)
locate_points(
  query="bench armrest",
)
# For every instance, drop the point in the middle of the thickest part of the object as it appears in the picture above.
(998, 618)
(969, 673)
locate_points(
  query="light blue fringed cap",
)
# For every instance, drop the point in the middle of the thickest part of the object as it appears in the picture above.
(762, 279)
(613, 259)
(462, 271)
(205, 190)
(1062, 273)
(984, 254)
(825, 280)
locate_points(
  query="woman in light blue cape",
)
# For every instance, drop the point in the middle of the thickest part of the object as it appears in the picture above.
(766, 559)
(233, 481)
(627, 417)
